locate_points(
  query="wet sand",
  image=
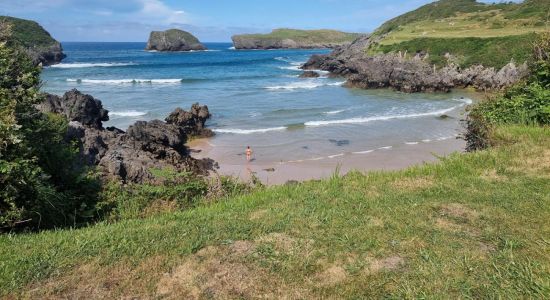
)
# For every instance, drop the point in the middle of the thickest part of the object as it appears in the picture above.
(279, 172)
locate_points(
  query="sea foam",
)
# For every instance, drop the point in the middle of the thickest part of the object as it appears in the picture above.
(304, 85)
(381, 118)
(126, 81)
(249, 131)
(90, 65)
(129, 113)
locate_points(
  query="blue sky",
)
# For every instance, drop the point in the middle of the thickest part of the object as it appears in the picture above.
(210, 20)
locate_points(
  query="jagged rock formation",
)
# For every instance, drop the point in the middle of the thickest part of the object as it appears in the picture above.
(35, 40)
(409, 74)
(294, 39)
(173, 40)
(131, 156)
(309, 74)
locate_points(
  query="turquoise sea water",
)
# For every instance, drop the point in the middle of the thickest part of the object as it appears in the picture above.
(256, 99)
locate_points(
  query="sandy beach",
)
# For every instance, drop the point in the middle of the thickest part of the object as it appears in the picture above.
(279, 172)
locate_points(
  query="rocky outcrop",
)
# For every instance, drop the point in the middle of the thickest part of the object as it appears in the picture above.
(192, 122)
(309, 74)
(410, 74)
(173, 40)
(35, 40)
(294, 39)
(131, 156)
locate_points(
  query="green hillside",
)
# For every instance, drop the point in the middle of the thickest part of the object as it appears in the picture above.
(28, 33)
(468, 18)
(305, 36)
(474, 33)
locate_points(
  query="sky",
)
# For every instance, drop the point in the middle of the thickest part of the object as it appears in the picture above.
(209, 20)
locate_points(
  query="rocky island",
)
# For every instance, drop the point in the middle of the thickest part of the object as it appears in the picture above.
(436, 48)
(294, 39)
(35, 40)
(173, 40)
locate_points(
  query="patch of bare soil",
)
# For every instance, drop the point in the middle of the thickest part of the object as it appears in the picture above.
(331, 276)
(92, 281)
(229, 272)
(391, 263)
(457, 217)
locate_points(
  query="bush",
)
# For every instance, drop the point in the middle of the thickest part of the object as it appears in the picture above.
(526, 103)
(41, 183)
(174, 191)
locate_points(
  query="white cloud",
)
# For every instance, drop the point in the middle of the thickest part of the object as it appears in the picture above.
(155, 11)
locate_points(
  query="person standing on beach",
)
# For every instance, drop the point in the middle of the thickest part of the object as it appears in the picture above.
(248, 153)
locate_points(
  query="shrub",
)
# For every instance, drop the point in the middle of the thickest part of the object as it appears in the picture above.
(41, 185)
(525, 103)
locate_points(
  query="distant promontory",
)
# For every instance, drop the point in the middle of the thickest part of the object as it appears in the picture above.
(294, 39)
(34, 39)
(173, 40)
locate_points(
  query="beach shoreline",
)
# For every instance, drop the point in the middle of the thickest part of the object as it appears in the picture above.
(280, 172)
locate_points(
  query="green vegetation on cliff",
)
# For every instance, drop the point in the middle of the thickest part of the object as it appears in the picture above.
(468, 18)
(305, 36)
(474, 33)
(28, 33)
(489, 52)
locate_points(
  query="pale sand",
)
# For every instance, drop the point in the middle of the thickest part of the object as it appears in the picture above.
(398, 157)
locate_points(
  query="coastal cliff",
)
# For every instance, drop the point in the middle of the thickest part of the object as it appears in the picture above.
(35, 40)
(411, 73)
(442, 45)
(294, 39)
(173, 40)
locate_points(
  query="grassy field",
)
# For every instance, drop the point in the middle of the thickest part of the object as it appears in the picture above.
(468, 18)
(309, 36)
(472, 226)
(481, 24)
(467, 51)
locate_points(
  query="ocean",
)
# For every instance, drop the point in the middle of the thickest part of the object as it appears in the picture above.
(256, 99)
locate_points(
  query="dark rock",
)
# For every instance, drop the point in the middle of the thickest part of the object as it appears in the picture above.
(270, 170)
(309, 74)
(130, 156)
(173, 40)
(192, 122)
(76, 106)
(444, 117)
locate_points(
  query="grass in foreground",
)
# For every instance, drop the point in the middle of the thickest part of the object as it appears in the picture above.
(475, 225)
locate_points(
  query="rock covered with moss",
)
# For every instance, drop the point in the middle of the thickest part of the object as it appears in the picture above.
(173, 40)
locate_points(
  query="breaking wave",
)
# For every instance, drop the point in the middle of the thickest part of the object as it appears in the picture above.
(126, 81)
(129, 113)
(90, 65)
(249, 131)
(304, 85)
(388, 117)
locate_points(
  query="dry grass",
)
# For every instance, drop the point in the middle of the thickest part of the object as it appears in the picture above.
(413, 184)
